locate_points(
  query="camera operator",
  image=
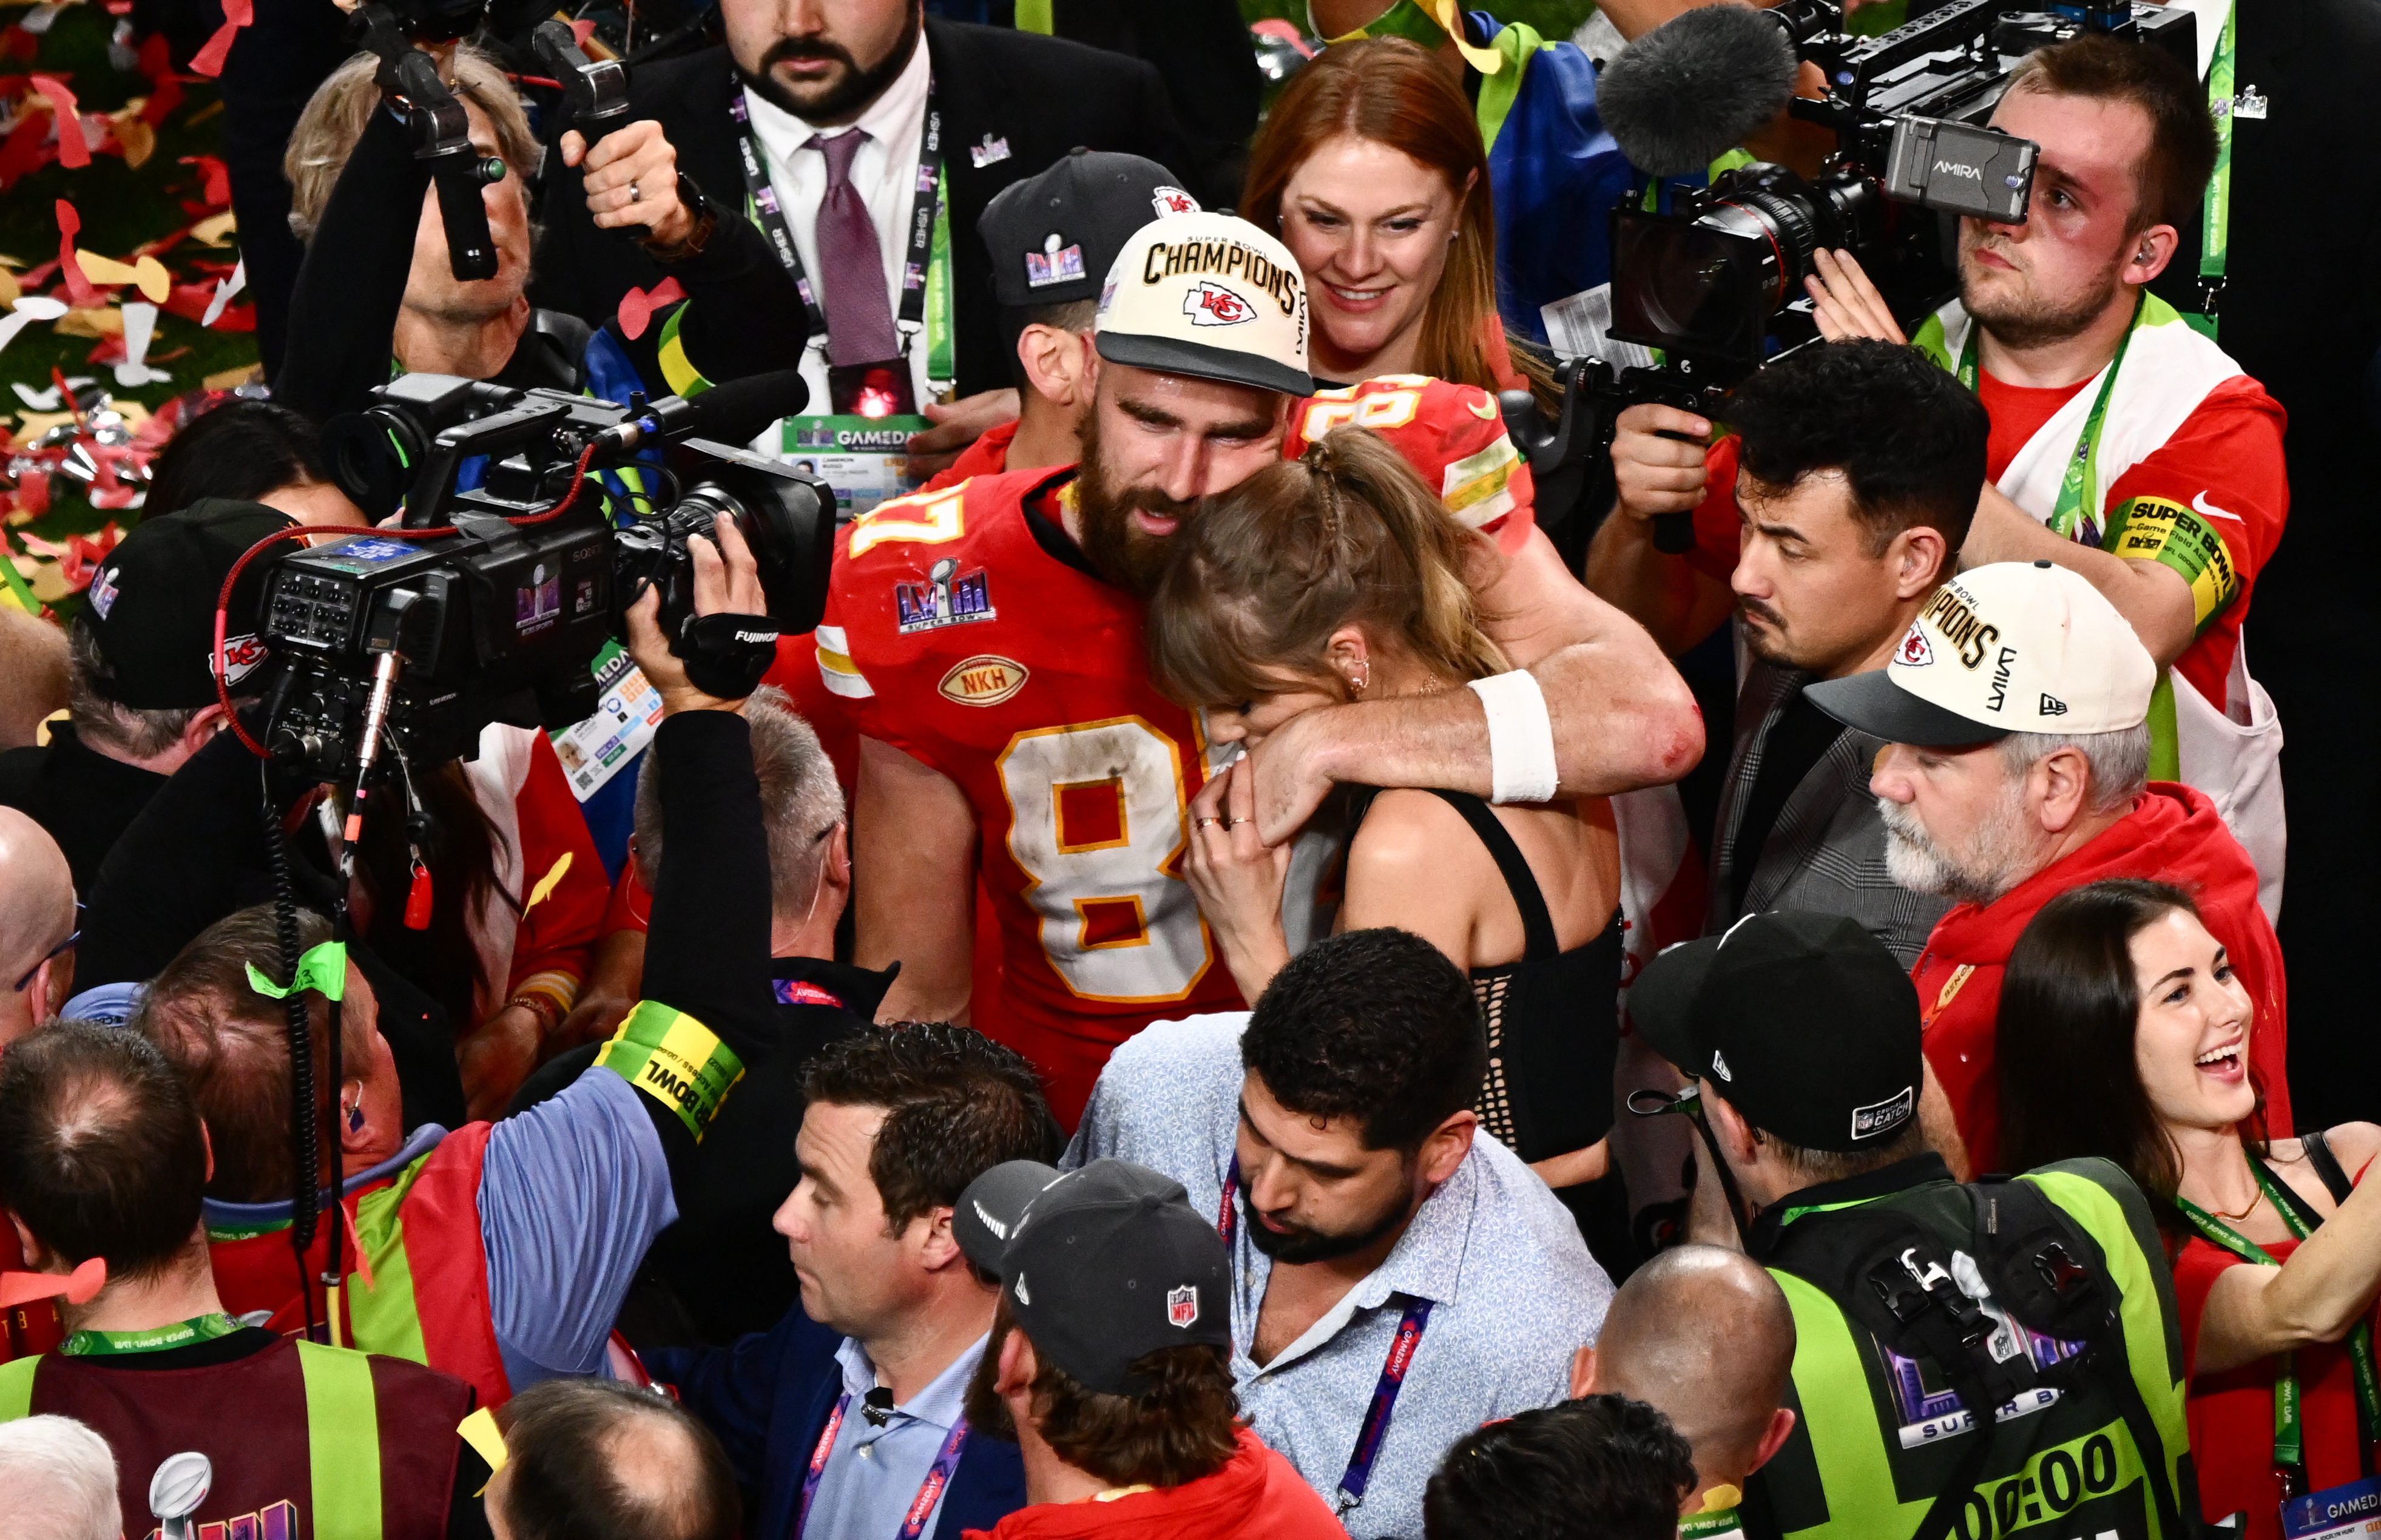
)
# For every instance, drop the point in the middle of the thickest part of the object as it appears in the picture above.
(377, 281)
(1802, 1035)
(2125, 445)
(720, 1260)
(474, 1220)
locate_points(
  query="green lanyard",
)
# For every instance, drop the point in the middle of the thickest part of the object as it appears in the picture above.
(181, 1334)
(2076, 515)
(2215, 212)
(1713, 1524)
(2290, 1444)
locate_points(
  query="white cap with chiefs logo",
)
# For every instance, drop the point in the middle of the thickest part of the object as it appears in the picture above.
(2012, 647)
(1210, 296)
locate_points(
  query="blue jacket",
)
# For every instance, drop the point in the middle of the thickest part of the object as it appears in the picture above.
(768, 1399)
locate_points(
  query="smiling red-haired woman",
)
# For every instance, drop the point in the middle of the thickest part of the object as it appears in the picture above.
(1371, 170)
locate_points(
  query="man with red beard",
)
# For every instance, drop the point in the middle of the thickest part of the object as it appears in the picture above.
(986, 640)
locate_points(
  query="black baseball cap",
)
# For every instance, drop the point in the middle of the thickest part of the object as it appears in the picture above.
(150, 606)
(1804, 1023)
(1053, 236)
(1101, 1265)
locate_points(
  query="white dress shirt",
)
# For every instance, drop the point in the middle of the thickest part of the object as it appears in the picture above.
(885, 172)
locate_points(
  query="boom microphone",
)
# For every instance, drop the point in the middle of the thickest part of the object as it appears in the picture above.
(734, 412)
(1691, 89)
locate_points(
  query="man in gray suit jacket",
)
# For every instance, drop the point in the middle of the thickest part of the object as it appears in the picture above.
(1855, 468)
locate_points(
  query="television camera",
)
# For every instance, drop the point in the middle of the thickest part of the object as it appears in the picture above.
(488, 604)
(1715, 279)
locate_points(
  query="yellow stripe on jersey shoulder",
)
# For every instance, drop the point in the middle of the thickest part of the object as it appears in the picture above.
(925, 518)
(837, 671)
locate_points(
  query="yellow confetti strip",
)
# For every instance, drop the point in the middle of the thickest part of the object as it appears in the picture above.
(215, 231)
(149, 275)
(480, 1431)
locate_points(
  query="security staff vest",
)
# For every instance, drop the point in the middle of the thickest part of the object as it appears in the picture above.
(307, 1442)
(419, 1291)
(1878, 1435)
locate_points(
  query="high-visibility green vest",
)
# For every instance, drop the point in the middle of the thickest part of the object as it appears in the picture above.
(1866, 1460)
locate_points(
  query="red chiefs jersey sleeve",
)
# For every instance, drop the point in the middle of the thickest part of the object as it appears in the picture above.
(1452, 433)
(957, 636)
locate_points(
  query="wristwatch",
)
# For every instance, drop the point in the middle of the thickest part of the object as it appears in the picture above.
(706, 219)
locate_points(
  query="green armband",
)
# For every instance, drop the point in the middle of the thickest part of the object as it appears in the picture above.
(323, 969)
(676, 1060)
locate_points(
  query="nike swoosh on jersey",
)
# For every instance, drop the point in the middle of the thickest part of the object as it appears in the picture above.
(2201, 505)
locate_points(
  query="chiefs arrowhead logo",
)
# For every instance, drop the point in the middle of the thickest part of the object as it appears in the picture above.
(1172, 199)
(1914, 653)
(241, 654)
(1211, 304)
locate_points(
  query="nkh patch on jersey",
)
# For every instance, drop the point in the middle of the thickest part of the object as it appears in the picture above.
(1452, 435)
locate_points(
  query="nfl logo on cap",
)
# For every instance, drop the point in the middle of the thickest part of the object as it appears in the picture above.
(1182, 1306)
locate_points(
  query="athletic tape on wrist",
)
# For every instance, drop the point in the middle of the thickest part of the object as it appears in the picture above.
(675, 1059)
(1521, 738)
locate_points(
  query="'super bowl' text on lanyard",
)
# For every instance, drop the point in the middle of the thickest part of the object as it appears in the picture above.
(930, 1491)
(1402, 1348)
(2289, 1439)
(861, 446)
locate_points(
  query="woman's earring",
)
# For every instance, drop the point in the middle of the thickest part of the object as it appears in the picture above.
(1358, 686)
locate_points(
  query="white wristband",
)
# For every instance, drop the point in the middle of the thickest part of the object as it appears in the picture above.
(1521, 738)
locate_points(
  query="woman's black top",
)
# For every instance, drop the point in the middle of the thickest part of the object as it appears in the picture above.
(1553, 1017)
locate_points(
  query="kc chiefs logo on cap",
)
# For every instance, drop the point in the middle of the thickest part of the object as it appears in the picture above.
(1211, 304)
(241, 654)
(1914, 653)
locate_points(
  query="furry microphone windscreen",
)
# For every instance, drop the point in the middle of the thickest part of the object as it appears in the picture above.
(1691, 89)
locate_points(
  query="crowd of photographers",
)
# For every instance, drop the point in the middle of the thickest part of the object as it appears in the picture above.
(1188, 981)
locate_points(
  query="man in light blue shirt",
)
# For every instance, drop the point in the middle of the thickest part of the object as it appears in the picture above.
(888, 1453)
(1385, 1260)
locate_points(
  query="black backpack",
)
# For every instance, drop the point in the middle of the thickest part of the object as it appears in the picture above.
(1892, 1274)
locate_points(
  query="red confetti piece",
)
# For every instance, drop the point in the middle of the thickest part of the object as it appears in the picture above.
(209, 60)
(637, 307)
(79, 293)
(165, 86)
(26, 149)
(215, 183)
(582, 32)
(74, 149)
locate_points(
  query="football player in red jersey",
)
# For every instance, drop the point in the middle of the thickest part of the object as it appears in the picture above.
(988, 641)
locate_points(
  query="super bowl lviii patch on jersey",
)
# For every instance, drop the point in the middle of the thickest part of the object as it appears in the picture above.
(2159, 530)
(948, 597)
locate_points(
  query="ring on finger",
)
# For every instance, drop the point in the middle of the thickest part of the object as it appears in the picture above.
(1202, 823)
(635, 196)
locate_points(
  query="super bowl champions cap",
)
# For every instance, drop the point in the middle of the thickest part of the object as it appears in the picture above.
(150, 606)
(1804, 1023)
(1100, 1266)
(2012, 647)
(1210, 296)
(1053, 238)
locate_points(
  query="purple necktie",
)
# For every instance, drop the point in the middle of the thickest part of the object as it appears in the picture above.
(851, 265)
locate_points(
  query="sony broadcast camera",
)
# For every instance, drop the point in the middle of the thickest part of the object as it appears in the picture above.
(1715, 279)
(417, 643)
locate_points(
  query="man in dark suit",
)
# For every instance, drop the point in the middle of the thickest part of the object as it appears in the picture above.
(806, 77)
(867, 1377)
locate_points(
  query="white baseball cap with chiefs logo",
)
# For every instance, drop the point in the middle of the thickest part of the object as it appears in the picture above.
(1210, 296)
(2011, 647)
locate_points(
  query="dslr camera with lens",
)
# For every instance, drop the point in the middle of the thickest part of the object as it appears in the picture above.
(488, 604)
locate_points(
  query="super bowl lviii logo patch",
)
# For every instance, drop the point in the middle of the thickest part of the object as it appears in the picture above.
(1053, 264)
(1211, 304)
(948, 597)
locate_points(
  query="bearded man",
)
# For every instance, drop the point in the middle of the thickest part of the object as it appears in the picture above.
(986, 640)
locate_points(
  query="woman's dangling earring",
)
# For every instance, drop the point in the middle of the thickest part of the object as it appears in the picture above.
(1357, 687)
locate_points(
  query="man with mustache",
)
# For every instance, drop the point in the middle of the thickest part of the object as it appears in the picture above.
(813, 120)
(2126, 445)
(1857, 468)
(2017, 765)
(986, 640)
